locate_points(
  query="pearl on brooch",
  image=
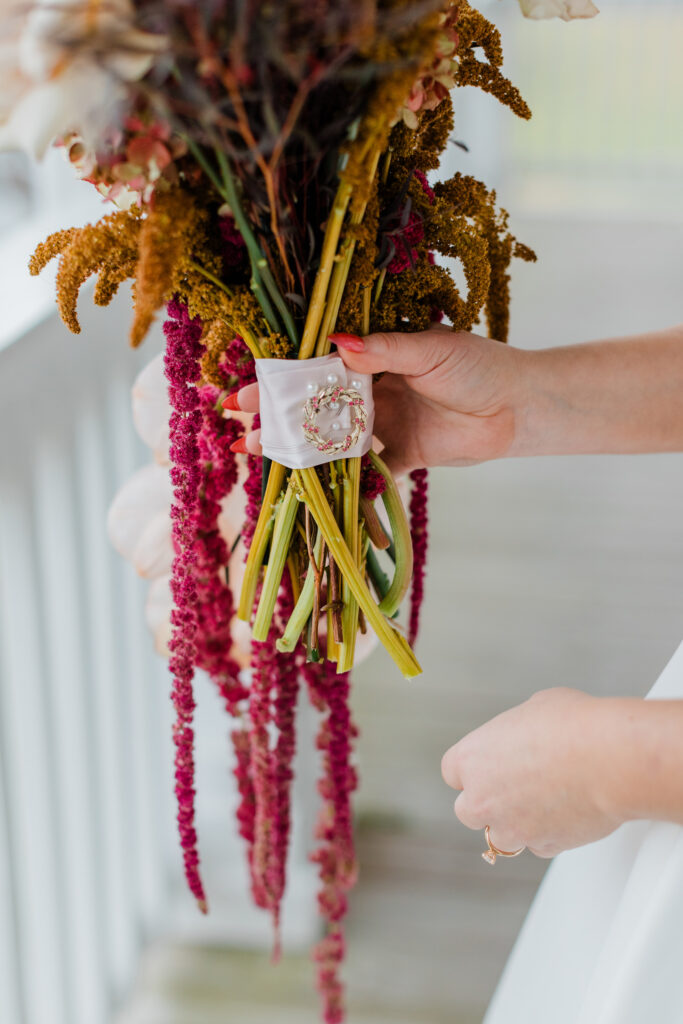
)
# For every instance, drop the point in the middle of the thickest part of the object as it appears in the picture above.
(312, 386)
(333, 406)
(357, 384)
(332, 378)
(336, 426)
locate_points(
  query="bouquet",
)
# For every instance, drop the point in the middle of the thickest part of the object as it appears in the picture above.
(270, 167)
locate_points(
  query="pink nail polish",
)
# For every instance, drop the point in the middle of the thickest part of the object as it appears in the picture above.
(351, 342)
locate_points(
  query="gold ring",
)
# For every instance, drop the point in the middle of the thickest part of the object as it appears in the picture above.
(493, 851)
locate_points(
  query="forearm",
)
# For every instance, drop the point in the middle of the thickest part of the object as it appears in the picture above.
(640, 757)
(621, 396)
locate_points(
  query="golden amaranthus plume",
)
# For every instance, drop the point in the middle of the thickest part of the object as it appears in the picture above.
(474, 30)
(161, 250)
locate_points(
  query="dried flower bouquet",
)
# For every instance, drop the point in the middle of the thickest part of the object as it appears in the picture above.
(269, 164)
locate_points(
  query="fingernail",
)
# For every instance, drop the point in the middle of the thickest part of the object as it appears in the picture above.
(351, 342)
(240, 445)
(231, 402)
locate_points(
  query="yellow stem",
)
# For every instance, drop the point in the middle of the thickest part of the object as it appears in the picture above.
(294, 576)
(380, 284)
(249, 339)
(367, 298)
(386, 164)
(316, 306)
(259, 542)
(332, 653)
(340, 273)
(303, 606)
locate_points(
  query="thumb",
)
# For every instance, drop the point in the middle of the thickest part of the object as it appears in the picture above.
(409, 354)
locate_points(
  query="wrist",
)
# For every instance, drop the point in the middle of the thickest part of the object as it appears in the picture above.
(616, 396)
(530, 391)
(563, 405)
(640, 763)
(614, 757)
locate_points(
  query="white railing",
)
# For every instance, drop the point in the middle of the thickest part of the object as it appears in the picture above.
(89, 865)
(84, 810)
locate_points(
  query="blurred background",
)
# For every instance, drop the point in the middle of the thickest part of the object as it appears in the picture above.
(543, 572)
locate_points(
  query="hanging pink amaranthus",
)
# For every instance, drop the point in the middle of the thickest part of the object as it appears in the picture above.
(283, 757)
(181, 362)
(263, 681)
(419, 534)
(284, 711)
(253, 489)
(264, 772)
(215, 607)
(246, 811)
(272, 702)
(335, 855)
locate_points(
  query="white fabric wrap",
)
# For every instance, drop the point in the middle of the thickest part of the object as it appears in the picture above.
(284, 387)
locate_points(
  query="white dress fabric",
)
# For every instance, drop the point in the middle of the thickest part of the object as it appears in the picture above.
(603, 940)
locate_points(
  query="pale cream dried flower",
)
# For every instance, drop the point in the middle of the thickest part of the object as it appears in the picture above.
(567, 10)
(66, 68)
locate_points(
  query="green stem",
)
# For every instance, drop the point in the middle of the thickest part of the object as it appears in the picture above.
(380, 580)
(351, 496)
(400, 530)
(227, 191)
(279, 301)
(263, 301)
(282, 535)
(199, 156)
(260, 270)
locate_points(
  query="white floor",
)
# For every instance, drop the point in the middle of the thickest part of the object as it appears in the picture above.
(546, 572)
